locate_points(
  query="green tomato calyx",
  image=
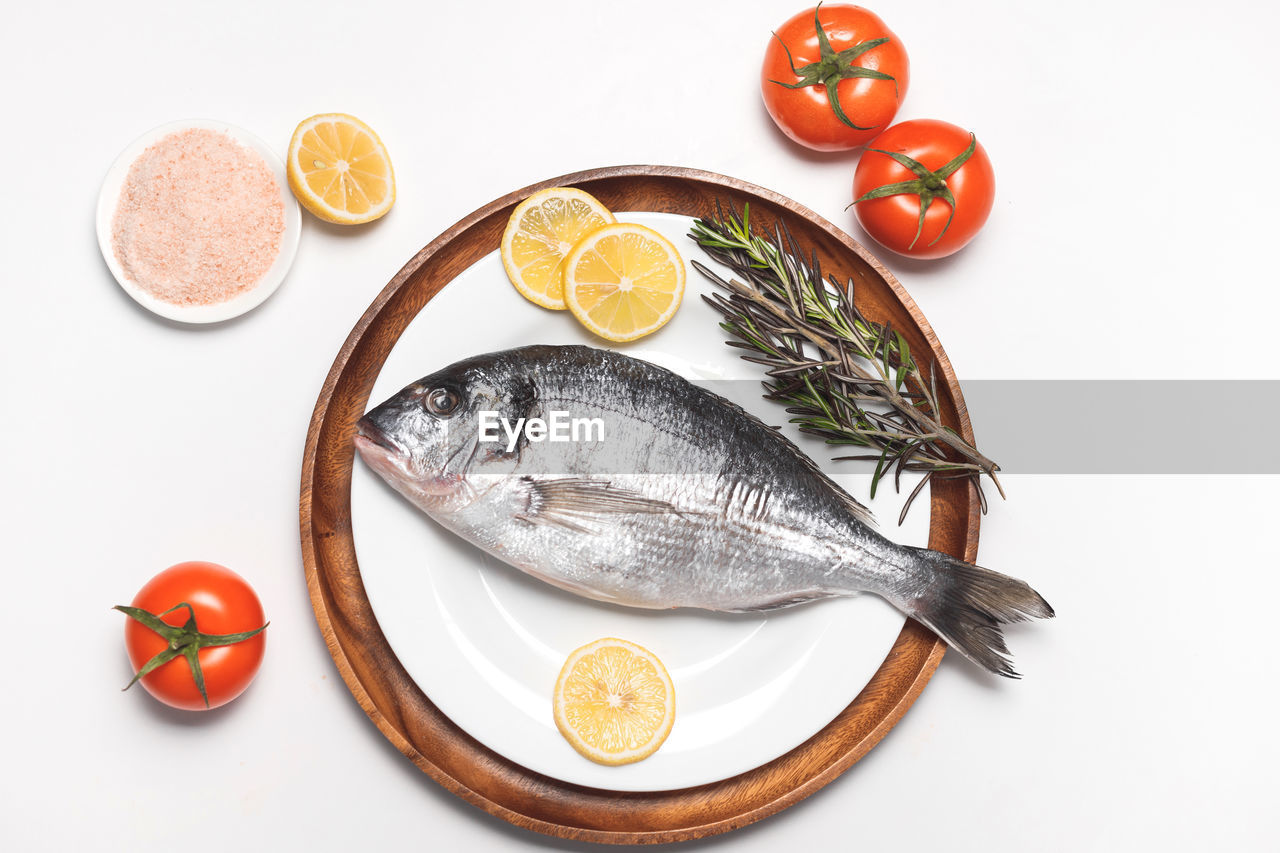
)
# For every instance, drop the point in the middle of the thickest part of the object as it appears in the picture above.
(833, 67)
(185, 640)
(928, 185)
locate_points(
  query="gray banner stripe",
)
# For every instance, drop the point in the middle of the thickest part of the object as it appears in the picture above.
(1026, 426)
(1085, 426)
(1127, 426)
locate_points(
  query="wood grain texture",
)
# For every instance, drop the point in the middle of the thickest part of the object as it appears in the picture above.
(408, 718)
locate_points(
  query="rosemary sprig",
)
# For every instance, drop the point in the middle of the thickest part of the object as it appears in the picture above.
(843, 377)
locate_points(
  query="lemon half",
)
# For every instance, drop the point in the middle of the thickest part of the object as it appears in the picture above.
(339, 169)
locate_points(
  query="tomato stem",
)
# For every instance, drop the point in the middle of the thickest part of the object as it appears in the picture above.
(833, 67)
(927, 184)
(185, 640)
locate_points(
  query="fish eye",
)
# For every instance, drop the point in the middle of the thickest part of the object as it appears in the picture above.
(442, 401)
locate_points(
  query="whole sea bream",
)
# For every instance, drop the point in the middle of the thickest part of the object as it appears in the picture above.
(620, 481)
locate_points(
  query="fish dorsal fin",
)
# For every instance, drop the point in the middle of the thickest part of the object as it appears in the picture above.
(858, 509)
(569, 501)
(855, 507)
(785, 445)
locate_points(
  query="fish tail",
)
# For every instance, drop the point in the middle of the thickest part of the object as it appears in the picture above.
(966, 605)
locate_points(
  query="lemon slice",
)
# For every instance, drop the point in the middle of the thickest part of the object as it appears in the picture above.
(339, 169)
(614, 701)
(540, 233)
(624, 281)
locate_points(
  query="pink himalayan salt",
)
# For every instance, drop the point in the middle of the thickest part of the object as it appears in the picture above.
(199, 219)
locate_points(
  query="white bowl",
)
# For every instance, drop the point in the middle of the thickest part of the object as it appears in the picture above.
(109, 198)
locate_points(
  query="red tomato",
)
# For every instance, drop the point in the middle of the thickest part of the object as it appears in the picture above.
(809, 114)
(222, 603)
(894, 219)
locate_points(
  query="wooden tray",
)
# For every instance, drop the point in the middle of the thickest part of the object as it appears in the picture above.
(409, 719)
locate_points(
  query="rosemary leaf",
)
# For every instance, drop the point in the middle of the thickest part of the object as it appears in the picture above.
(845, 378)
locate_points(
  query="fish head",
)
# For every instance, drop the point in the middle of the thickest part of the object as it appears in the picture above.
(424, 441)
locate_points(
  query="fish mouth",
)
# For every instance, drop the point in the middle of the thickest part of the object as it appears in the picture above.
(384, 455)
(370, 439)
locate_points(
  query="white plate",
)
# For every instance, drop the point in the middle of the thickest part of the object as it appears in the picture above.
(109, 197)
(485, 642)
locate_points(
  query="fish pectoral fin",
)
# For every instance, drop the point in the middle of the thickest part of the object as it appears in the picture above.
(559, 521)
(568, 501)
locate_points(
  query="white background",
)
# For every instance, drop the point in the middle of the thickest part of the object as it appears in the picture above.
(1133, 145)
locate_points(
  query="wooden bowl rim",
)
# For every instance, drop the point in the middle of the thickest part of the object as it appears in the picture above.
(913, 658)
